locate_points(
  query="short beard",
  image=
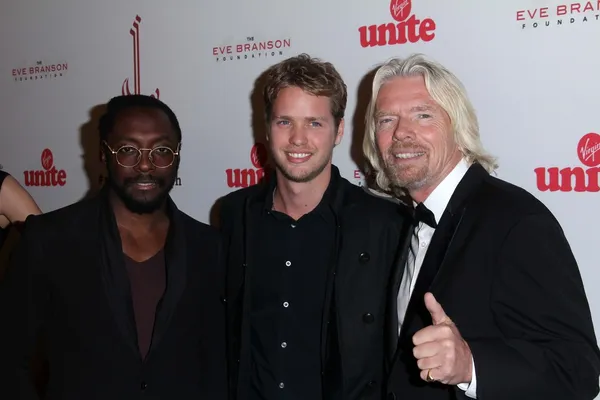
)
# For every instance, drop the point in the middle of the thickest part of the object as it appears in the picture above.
(301, 179)
(142, 207)
(411, 182)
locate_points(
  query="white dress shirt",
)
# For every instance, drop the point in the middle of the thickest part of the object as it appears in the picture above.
(437, 203)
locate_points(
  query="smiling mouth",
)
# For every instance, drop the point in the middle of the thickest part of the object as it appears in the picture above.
(408, 156)
(297, 157)
(145, 185)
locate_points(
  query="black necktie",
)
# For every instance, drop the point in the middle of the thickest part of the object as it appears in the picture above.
(423, 214)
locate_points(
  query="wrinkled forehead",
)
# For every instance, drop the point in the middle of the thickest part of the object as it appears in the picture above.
(404, 94)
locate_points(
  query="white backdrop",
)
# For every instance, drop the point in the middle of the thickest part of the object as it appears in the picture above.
(530, 68)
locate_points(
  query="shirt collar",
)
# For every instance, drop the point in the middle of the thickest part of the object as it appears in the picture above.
(440, 197)
(324, 207)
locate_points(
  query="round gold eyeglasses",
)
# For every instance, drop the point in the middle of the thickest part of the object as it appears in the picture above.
(129, 156)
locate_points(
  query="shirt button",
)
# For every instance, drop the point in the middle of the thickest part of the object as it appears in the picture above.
(286, 304)
(364, 258)
(288, 263)
(283, 345)
(281, 385)
(368, 318)
(423, 244)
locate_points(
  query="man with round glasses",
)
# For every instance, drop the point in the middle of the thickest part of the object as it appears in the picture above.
(125, 287)
(145, 168)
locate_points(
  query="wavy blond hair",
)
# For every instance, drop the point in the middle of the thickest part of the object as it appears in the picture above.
(447, 90)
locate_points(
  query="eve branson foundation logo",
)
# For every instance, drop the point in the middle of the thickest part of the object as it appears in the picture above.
(125, 88)
(576, 179)
(251, 49)
(559, 14)
(407, 28)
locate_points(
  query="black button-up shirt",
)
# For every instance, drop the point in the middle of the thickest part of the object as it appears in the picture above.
(289, 278)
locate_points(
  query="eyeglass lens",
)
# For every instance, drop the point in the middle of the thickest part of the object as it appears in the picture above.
(130, 156)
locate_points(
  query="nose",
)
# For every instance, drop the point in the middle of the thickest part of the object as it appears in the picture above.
(145, 164)
(404, 129)
(298, 136)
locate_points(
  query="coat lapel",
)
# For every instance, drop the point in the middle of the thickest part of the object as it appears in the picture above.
(436, 252)
(116, 281)
(396, 277)
(449, 239)
(114, 274)
(241, 287)
(176, 260)
(463, 207)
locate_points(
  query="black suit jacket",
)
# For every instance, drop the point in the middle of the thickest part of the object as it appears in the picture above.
(69, 282)
(501, 267)
(352, 337)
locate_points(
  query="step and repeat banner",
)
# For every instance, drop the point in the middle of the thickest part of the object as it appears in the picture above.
(530, 67)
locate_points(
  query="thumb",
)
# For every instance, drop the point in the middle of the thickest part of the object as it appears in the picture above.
(438, 315)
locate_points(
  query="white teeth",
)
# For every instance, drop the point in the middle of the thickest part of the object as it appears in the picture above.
(408, 155)
(298, 155)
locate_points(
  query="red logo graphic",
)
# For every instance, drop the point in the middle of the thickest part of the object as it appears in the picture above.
(400, 9)
(358, 177)
(251, 49)
(241, 178)
(575, 179)
(135, 33)
(408, 28)
(49, 175)
(587, 147)
(39, 71)
(550, 16)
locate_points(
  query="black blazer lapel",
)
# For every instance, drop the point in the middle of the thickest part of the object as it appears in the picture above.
(448, 239)
(176, 260)
(461, 203)
(391, 333)
(435, 255)
(114, 273)
(252, 213)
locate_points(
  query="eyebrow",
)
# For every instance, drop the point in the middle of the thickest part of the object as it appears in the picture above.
(424, 107)
(161, 138)
(420, 108)
(309, 119)
(380, 114)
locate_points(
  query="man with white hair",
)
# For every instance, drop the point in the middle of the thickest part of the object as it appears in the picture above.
(489, 303)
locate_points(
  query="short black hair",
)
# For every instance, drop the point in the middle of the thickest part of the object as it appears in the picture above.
(118, 104)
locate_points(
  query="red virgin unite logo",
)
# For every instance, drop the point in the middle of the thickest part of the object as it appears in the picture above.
(576, 179)
(241, 178)
(49, 175)
(406, 29)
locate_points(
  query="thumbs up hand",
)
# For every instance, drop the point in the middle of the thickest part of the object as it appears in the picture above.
(441, 352)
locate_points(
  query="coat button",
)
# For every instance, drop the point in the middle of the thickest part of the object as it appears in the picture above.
(364, 257)
(223, 300)
(368, 318)
(391, 396)
(143, 385)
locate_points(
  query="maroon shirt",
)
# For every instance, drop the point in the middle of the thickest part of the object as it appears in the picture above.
(148, 282)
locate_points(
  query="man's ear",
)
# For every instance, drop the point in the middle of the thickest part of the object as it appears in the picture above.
(340, 132)
(102, 150)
